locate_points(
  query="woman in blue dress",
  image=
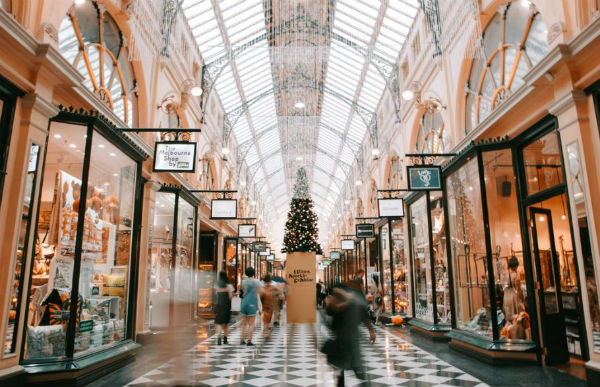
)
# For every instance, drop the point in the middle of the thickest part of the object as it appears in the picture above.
(249, 307)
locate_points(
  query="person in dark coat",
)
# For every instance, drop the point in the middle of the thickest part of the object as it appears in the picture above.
(224, 292)
(348, 311)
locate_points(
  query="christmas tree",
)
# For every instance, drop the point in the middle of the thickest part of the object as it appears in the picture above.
(301, 230)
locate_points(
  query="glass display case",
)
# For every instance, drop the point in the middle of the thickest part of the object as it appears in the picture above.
(79, 298)
(432, 307)
(492, 302)
(172, 262)
(386, 268)
(402, 291)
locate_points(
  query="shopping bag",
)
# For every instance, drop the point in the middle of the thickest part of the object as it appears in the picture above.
(236, 304)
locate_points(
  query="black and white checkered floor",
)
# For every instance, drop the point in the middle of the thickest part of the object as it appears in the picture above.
(291, 357)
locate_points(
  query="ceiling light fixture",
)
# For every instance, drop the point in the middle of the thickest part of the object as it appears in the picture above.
(375, 152)
(196, 91)
(79, 2)
(299, 158)
(242, 183)
(225, 150)
(358, 182)
(408, 95)
(57, 136)
(72, 146)
(299, 105)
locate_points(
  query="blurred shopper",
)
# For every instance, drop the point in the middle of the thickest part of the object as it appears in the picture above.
(348, 310)
(249, 307)
(223, 311)
(319, 296)
(282, 287)
(270, 297)
(377, 303)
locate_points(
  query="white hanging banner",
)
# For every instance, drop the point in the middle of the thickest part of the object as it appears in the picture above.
(347, 244)
(174, 156)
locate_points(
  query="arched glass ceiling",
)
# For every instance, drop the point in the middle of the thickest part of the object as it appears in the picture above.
(265, 56)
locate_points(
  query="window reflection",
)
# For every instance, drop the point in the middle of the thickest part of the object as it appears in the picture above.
(471, 282)
(543, 164)
(421, 260)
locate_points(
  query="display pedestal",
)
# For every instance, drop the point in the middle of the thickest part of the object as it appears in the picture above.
(300, 274)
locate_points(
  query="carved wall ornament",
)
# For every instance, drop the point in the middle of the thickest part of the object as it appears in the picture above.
(555, 31)
(48, 29)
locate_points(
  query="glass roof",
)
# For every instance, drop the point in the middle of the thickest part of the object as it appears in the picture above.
(299, 70)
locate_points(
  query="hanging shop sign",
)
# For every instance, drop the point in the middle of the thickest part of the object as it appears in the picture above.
(246, 230)
(325, 262)
(270, 258)
(223, 209)
(365, 230)
(390, 208)
(334, 255)
(424, 178)
(259, 247)
(175, 156)
(265, 253)
(347, 244)
(33, 158)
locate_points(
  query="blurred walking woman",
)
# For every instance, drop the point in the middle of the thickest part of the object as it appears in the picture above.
(223, 316)
(249, 307)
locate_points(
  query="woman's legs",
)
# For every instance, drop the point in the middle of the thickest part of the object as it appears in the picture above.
(244, 322)
(250, 326)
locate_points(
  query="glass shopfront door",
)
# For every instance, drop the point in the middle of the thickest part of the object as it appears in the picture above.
(547, 281)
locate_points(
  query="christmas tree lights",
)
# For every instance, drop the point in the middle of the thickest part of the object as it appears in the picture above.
(301, 230)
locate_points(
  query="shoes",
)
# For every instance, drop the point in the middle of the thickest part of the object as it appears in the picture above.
(249, 344)
(276, 324)
(219, 341)
(243, 342)
(225, 340)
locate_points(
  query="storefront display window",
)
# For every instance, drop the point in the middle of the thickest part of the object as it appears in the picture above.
(8, 94)
(467, 241)
(543, 164)
(401, 268)
(590, 265)
(505, 237)
(386, 271)
(171, 277)
(439, 258)
(421, 260)
(106, 247)
(16, 293)
(79, 294)
(230, 260)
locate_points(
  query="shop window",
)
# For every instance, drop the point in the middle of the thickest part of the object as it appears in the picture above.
(432, 138)
(514, 41)
(92, 42)
(467, 241)
(88, 186)
(589, 263)
(543, 164)
(505, 237)
(24, 241)
(439, 259)
(422, 260)
(171, 272)
(230, 260)
(386, 270)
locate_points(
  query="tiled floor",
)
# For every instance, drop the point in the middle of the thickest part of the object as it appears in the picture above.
(291, 357)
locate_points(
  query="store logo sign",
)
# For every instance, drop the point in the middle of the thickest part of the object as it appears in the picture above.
(334, 255)
(223, 209)
(390, 208)
(174, 156)
(259, 247)
(424, 178)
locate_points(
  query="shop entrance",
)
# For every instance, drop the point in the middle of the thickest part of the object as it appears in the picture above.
(554, 271)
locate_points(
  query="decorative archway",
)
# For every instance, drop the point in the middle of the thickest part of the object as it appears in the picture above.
(393, 173)
(91, 41)
(514, 41)
(207, 174)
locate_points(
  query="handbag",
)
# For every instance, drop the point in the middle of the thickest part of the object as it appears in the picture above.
(236, 304)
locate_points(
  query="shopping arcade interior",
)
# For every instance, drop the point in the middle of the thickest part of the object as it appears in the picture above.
(415, 262)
